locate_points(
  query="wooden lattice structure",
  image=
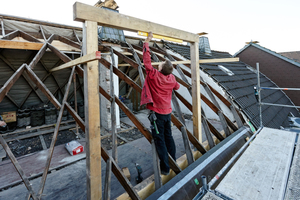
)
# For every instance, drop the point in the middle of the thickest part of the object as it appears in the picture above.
(92, 17)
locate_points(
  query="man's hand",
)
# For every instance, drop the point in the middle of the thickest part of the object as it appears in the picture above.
(2, 123)
(149, 37)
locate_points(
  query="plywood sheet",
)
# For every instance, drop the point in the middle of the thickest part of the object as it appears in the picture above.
(262, 171)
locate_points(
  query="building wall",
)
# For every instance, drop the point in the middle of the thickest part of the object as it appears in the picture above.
(282, 73)
(105, 105)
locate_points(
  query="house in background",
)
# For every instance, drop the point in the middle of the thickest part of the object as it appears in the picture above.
(282, 68)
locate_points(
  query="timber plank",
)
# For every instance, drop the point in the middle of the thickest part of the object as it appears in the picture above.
(8, 44)
(83, 12)
(84, 59)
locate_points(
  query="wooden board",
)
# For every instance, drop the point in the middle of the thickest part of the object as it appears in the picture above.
(83, 12)
(8, 44)
(84, 59)
(188, 62)
(262, 171)
(9, 176)
(196, 102)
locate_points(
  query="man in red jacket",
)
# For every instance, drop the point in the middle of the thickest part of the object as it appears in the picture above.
(157, 94)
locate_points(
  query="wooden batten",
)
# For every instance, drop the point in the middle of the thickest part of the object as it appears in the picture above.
(188, 62)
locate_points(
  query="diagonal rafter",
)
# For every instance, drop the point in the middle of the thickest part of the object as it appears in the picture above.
(2, 27)
(190, 107)
(28, 37)
(130, 82)
(11, 81)
(18, 168)
(54, 138)
(42, 87)
(68, 42)
(24, 75)
(41, 52)
(43, 34)
(11, 35)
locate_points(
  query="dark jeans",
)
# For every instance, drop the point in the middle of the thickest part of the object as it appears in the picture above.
(164, 141)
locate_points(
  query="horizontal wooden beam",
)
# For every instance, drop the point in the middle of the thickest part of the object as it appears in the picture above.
(202, 61)
(83, 12)
(219, 60)
(8, 44)
(84, 59)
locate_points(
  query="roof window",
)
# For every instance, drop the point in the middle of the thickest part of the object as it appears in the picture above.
(227, 71)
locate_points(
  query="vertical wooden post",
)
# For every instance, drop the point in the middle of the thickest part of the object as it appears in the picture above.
(2, 26)
(92, 114)
(195, 71)
(75, 100)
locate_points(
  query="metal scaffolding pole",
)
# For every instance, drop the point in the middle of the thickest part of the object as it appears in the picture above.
(259, 96)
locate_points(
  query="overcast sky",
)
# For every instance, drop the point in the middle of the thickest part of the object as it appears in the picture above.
(229, 23)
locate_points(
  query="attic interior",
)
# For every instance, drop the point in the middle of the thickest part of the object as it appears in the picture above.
(47, 76)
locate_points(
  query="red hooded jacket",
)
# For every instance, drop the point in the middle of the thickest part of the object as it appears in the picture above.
(158, 88)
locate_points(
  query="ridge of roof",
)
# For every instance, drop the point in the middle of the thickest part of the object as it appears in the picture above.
(278, 55)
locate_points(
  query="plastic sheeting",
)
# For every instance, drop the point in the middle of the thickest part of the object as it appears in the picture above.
(12, 25)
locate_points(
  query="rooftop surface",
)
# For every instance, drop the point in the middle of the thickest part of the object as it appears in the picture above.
(239, 85)
(263, 169)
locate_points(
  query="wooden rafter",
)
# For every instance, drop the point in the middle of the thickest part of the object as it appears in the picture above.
(2, 27)
(18, 168)
(11, 81)
(54, 137)
(133, 84)
(11, 35)
(68, 42)
(24, 75)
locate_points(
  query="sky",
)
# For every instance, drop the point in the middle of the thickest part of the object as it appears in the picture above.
(229, 23)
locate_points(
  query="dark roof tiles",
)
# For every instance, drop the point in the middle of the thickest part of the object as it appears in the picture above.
(240, 87)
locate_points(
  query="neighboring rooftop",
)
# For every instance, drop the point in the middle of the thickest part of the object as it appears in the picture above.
(294, 55)
(279, 55)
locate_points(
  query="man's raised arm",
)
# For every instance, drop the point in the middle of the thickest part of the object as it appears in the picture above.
(146, 53)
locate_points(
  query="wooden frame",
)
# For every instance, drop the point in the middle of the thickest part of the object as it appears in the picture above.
(91, 16)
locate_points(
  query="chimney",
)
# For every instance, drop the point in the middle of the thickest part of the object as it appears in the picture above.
(204, 45)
